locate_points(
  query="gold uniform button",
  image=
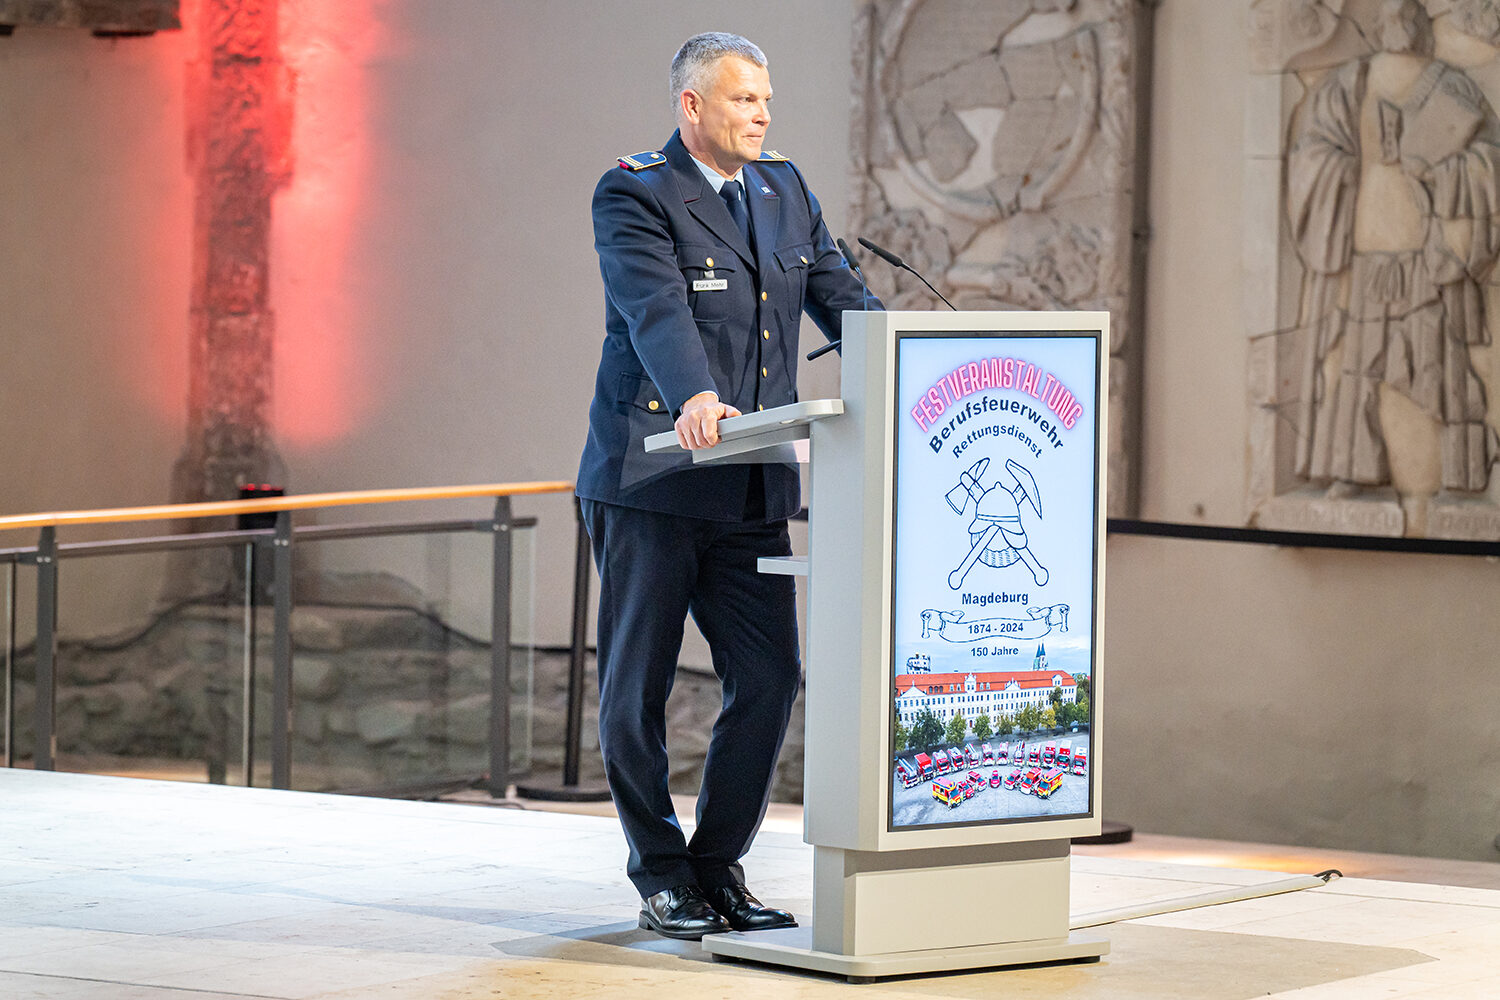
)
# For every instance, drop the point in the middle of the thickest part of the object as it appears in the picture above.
(763, 296)
(760, 406)
(804, 260)
(766, 334)
(653, 405)
(709, 262)
(764, 373)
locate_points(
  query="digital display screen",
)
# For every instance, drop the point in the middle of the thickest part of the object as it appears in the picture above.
(992, 630)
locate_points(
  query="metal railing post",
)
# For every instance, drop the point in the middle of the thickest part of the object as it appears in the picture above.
(10, 665)
(247, 713)
(45, 756)
(499, 782)
(281, 653)
(573, 740)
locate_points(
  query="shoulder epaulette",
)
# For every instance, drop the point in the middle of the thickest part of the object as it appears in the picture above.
(771, 156)
(640, 161)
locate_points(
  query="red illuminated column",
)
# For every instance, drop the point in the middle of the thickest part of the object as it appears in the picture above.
(238, 126)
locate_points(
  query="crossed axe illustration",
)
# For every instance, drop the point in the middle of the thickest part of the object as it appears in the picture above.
(997, 511)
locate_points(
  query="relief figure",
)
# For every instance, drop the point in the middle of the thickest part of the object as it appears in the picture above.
(1392, 184)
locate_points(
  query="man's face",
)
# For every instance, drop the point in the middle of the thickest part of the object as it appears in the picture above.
(726, 126)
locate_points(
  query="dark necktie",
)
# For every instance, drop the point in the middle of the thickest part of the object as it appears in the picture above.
(734, 200)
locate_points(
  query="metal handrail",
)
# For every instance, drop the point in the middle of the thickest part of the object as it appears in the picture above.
(266, 505)
(46, 554)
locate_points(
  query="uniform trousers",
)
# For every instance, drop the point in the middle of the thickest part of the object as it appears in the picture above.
(655, 569)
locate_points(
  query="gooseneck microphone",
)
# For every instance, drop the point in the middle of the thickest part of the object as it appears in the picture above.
(853, 264)
(832, 345)
(895, 261)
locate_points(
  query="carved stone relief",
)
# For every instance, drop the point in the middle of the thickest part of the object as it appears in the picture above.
(994, 149)
(1373, 377)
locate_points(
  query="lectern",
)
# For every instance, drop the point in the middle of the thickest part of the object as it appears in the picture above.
(954, 636)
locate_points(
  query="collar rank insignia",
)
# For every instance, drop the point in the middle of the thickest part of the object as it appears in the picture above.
(640, 161)
(771, 156)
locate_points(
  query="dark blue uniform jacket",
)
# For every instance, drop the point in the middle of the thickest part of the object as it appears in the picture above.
(661, 232)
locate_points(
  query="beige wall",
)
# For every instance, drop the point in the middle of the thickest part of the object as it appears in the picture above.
(94, 229)
(1193, 430)
(1338, 699)
(435, 279)
(438, 305)
(1333, 699)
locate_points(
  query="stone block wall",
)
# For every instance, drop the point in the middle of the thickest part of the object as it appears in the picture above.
(381, 697)
(96, 15)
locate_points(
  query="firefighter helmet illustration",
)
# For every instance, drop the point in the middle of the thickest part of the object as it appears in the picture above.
(996, 535)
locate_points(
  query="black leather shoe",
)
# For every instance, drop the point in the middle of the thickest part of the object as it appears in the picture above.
(682, 912)
(744, 912)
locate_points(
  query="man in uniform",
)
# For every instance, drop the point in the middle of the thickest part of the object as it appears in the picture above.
(710, 248)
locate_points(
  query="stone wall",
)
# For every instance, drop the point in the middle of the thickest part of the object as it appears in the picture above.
(381, 696)
(127, 16)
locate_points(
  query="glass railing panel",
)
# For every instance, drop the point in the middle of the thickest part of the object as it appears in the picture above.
(150, 677)
(392, 661)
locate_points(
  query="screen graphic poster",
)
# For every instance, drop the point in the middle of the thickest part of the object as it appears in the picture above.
(996, 474)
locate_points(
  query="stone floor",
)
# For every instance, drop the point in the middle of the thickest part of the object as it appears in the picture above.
(126, 889)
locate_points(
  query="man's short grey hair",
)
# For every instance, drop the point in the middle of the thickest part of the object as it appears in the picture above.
(693, 65)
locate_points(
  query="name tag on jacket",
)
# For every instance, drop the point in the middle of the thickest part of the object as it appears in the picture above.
(710, 284)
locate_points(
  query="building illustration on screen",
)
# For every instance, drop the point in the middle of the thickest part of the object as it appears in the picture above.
(997, 536)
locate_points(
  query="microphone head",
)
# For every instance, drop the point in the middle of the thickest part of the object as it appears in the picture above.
(849, 257)
(882, 253)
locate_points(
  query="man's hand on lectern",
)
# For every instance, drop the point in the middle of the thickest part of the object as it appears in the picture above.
(698, 424)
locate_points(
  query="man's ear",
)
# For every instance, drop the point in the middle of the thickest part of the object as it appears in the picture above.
(689, 105)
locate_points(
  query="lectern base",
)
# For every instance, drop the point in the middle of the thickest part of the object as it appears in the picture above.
(793, 947)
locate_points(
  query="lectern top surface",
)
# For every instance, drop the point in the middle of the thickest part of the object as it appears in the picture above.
(752, 424)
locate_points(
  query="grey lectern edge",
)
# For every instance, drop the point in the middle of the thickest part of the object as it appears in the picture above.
(903, 902)
(761, 437)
